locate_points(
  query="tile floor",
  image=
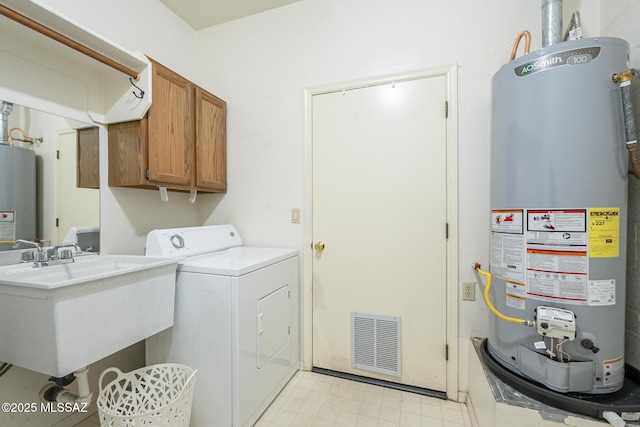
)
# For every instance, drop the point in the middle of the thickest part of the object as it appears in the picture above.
(317, 400)
(92, 421)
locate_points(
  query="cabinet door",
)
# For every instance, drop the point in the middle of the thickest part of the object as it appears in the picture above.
(211, 141)
(170, 132)
(87, 164)
(128, 153)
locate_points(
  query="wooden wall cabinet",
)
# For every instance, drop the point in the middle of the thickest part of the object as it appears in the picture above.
(180, 144)
(87, 161)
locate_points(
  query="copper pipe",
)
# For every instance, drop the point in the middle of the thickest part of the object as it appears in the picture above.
(29, 23)
(527, 35)
(635, 163)
(25, 137)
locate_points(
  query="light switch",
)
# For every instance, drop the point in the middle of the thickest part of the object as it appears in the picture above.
(295, 215)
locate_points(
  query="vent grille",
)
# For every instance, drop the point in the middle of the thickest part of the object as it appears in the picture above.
(375, 343)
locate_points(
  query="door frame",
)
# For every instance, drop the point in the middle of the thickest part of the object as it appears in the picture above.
(451, 78)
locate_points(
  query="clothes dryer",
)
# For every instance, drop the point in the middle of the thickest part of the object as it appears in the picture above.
(236, 321)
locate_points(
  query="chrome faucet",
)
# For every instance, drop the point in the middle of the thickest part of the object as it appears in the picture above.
(65, 254)
(27, 243)
(27, 256)
(59, 254)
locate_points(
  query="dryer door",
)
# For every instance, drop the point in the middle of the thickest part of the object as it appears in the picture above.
(274, 324)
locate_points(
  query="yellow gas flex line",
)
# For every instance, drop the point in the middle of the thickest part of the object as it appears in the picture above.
(486, 274)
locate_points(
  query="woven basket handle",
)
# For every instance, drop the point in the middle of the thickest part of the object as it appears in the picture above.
(117, 371)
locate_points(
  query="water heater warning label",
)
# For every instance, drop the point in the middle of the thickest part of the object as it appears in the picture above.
(8, 226)
(556, 255)
(507, 221)
(559, 275)
(613, 371)
(507, 244)
(604, 232)
(544, 254)
(516, 295)
(602, 292)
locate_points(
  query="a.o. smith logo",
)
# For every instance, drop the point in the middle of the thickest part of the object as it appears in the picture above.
(568, 57)
(541, 64)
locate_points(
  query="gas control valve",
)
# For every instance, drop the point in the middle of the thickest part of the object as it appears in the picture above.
(555, 322)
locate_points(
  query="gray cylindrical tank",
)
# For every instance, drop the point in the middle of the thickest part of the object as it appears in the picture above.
(559, 213)
(17, 195)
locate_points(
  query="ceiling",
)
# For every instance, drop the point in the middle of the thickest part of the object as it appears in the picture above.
(206, 13)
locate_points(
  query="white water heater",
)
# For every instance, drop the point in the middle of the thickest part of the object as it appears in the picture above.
(559, 171)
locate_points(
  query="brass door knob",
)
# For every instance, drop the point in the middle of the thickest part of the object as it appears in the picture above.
(319, 246)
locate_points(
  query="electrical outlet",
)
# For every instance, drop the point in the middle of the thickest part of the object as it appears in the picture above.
(468, 291)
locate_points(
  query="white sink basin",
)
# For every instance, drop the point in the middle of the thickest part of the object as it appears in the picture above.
(85, 268)
(57, 319)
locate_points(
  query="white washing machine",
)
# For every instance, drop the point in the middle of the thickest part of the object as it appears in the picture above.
(236, 321)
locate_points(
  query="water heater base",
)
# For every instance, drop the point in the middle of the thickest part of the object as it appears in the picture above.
(626, 399)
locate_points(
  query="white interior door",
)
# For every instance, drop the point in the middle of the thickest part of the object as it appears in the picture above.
(379, 207)
(75, 207)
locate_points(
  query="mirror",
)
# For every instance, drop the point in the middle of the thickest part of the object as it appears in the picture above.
(65, 180)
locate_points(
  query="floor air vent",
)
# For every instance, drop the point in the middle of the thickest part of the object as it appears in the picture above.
(375, 343)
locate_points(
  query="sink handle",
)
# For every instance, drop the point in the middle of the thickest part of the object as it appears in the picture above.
(28, 256)
(65, 254)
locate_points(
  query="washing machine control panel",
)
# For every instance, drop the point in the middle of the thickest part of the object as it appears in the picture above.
(173, 243)
(190, 241)
(177, 241)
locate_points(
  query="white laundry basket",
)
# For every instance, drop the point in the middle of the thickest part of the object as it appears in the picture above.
(157, 395)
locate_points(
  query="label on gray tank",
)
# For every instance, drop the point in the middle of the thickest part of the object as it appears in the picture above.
(568, 57)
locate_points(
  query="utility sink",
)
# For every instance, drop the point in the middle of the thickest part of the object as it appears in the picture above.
(60, 318)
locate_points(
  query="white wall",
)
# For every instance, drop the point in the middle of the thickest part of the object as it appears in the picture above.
(262, 64)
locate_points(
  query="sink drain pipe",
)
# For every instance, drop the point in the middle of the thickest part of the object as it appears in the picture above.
(57, 393)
